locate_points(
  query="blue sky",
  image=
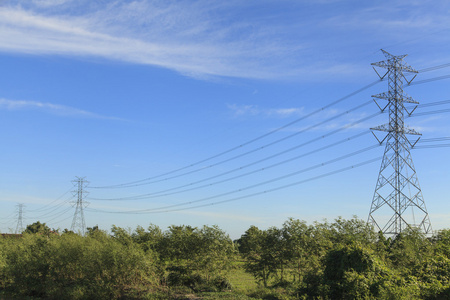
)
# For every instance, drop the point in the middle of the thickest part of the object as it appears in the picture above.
(119, 91)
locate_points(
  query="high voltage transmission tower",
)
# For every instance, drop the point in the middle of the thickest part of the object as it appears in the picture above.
(19, 227)
(397, 202)
(78, 223)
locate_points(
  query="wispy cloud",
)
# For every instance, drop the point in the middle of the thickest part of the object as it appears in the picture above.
(49, 3)
(208, 38)
(169, 36)
(54, 109)
(254, 110)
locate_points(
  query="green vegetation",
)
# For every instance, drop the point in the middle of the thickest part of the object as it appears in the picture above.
(345, 259)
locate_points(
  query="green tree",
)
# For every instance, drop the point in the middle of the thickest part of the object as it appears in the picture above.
(353, 272)
(305, 246)
(122, 235)
(409, 250)
(217, 252)
(441, 242)
(350, 231)
(253, 248)
(150, 238)
(38, 227)
(197, 257)
(76, 267)
(92, 230)
(181, 243)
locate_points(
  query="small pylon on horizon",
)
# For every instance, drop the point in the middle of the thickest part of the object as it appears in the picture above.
(78, 222)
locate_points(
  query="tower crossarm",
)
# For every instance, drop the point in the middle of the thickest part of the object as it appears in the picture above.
(404, 98)
(409, 99)
(394, 61)
(384, 96)
(386, 128)
(411, 131)
(404, 67)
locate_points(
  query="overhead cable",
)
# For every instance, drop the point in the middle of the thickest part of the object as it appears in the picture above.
(432, 146)
(249, 195)
(243, 144)
(46, 205)
(434, 68)
(255, 149)
(264, 182)
(429, 80)
(164, 192)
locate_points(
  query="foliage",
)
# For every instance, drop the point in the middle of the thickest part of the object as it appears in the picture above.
(75, 267)
(347, 259)
(197, 258)
(253, 246)
(344, 259)
(38, 228)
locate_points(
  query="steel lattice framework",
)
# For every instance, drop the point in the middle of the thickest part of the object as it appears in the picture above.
(19, 227)
(78, 223)
(397, 202)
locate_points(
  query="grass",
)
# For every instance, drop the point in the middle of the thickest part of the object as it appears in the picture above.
(240, 280)
(243, 284)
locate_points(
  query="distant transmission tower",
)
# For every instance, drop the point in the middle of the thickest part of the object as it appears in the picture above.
(397, 202)
(19, 227)
(78, 223)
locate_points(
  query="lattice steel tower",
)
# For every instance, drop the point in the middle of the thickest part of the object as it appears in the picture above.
(397, 202)
(19, 227)
(78, 223)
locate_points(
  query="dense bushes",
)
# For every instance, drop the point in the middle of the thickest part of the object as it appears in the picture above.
(345, 259)
(348, 260)
(125, 264)
(74, 267)
(198, 258)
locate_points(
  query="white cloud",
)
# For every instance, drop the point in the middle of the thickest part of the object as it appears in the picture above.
(194, 50)
(55, 109)
(48, 3)
(210, 38)
(196, 38)
(254, 110)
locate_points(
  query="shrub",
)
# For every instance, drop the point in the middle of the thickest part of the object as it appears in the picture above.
(75, 267)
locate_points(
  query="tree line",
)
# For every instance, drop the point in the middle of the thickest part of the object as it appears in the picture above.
(344, 259)
(347, 259)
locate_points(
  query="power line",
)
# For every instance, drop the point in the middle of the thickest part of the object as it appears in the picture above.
(54, 209)
(432, 146)
(145, 181)
(59, 215)
(139, 183)
(435, 103)
(319, 165)
(265, 168)
(240, 168)
(437, 139)
(132, 183)
(253, 194)
(434, 68)
(429, 80)
(255, 149)
(62, 220)
(44, 207)
(433, 112)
